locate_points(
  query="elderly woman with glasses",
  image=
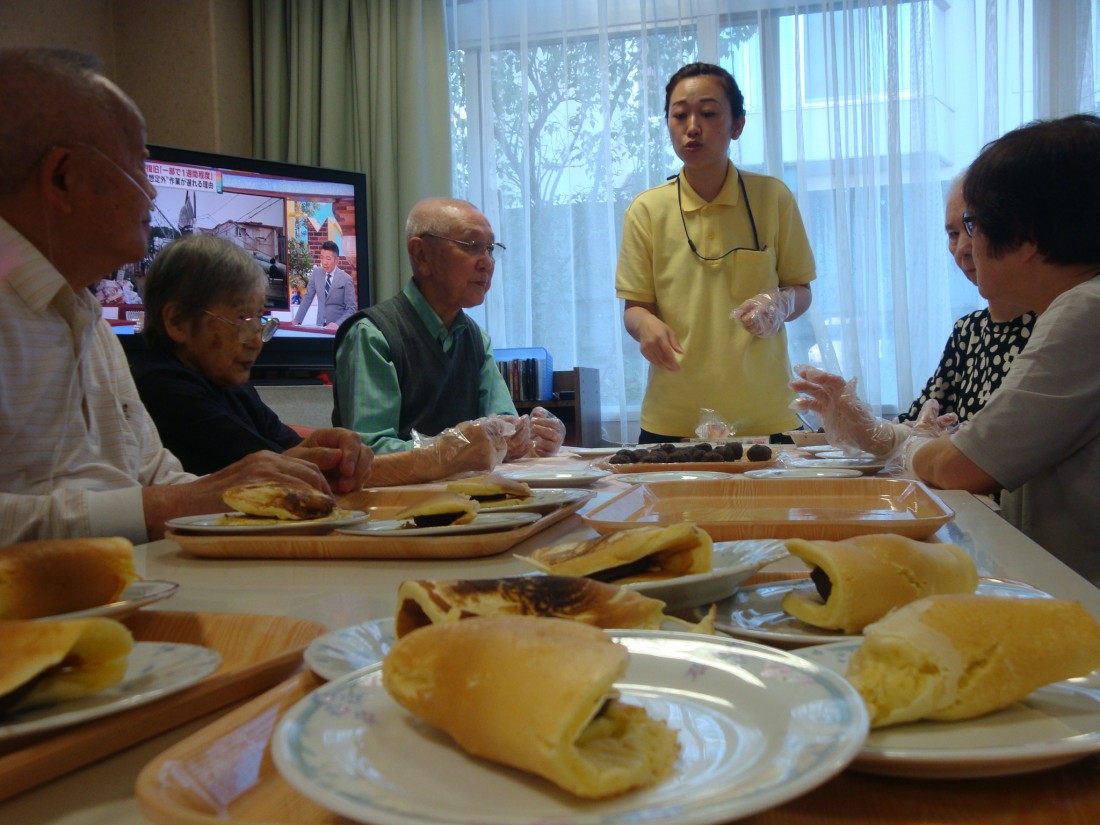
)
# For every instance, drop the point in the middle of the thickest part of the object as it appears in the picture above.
(204, 328)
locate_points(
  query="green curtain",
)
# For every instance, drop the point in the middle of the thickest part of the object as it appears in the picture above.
(362, 85)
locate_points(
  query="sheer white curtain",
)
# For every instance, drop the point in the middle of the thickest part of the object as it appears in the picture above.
(866, 109)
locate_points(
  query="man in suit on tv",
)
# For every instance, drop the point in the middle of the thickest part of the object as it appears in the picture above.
(81, 454)
(335, 287)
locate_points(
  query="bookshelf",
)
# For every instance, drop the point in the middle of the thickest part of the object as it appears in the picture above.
(581, 413)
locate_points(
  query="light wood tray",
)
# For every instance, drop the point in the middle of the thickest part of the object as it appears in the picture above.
(693, 466)
(224, 775)
(743, 508)
(381, 503)
(256, 651)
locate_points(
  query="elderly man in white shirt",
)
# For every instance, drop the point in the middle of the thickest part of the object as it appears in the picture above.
(80, 454)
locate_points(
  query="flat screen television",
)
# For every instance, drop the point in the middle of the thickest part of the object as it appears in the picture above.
(279, 212)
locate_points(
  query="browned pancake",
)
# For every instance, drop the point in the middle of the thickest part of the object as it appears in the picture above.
(280, 501)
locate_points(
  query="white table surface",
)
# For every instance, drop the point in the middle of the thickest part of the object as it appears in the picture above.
(340, 593)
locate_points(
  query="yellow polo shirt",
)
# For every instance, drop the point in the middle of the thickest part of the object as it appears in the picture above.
(724, 368)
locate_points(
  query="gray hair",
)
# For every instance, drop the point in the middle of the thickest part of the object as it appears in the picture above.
(51, 97)
(196, 272)
(435, 216)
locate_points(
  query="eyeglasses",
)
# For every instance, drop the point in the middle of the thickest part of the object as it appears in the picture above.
(968, 222)
(249, 328)
(475, 248)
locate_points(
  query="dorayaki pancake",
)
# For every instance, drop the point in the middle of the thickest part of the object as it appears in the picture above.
(281, 501)
(421, 603)
(491, 490)
(964, 655)
(439, 511)
(636, 555)
(536, 694)
(862, 578)
(42, 662)
(55, 576)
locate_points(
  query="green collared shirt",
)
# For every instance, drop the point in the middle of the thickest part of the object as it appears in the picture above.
(370, 394)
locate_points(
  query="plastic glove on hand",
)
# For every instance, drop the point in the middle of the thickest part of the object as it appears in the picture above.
(547, 432)
(848, 420)
(763, 315)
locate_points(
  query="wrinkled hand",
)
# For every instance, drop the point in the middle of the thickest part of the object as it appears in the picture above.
(519, 442)
(547, 432)
(848, 421)
(929, 426)
(478, 445)
(763, 315)
(658, 343)
(340, 454)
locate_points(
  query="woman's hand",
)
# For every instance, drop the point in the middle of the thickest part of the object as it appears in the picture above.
(659, 344)
(338, 453)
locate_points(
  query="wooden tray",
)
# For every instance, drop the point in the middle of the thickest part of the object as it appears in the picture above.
(224, 775)
(381, 503)
(745, 508)
(256, 651)
(693, 466)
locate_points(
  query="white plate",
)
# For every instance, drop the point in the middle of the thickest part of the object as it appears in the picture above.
(559, 478)
(757, 727)
(673, 475)
(1054, 725)
(541, 501)
(734, 561)
(756, 612)
(862, 455)
(137, 595)
(153, 670)
(340, 652)
(592, 452)
(802, 472)
(209, 523)
(867, 466)
(817, 449)
(483, 523)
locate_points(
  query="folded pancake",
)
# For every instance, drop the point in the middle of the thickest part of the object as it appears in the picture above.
(536, 694)
(422, 602)
(42, 662)
(640, 554)
(959, 656)
(861, 579)
(282, 501)
(491, 490)
(440, 510)
(47, 578)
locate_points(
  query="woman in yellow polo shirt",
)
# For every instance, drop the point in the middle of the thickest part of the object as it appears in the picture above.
(711, 265)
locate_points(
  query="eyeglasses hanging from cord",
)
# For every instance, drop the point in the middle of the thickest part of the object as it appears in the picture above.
(752, 221)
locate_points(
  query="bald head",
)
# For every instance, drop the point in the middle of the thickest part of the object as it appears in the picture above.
(54, 97)
(437, 216)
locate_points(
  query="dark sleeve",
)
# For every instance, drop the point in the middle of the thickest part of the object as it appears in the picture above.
(943, 384)
(206, 427)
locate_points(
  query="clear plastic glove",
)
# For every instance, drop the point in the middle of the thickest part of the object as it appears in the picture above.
(848, 421)
(929, 426)
(763, 315)
(547, 432)
(519, 442)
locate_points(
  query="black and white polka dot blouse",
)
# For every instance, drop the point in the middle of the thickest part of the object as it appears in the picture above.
(975, 360)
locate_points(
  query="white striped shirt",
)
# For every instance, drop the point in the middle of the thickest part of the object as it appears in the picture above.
(76, 444)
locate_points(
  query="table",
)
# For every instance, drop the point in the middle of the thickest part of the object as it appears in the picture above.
(342, 593)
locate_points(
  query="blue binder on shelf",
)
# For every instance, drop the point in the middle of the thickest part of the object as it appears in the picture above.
(528, 372)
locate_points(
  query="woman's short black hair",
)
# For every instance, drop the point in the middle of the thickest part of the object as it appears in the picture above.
(196, 272)
(733, 91)
(1040, 183)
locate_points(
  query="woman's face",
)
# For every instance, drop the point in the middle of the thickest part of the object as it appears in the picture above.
(700, 122)
(211, 345)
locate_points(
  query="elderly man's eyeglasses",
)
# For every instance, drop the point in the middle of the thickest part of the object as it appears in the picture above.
(968, 222)
(475, 248)
(249, 328)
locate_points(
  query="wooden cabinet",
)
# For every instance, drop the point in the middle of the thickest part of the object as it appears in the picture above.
(576, 403)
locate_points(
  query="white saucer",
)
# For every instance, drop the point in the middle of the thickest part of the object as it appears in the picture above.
(675, 475)
(803, 472)
(210, 523)
(483, 523)
(137, 595)
(559, 478)
(1054, 725)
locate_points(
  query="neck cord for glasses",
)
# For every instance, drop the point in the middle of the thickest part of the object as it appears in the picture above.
(748, 206)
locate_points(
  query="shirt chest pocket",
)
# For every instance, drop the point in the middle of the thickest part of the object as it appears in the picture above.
(753, 272)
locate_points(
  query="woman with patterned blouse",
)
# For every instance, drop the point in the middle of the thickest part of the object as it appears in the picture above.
(982, 345)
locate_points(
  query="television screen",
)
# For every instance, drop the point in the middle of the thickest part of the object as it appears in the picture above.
(281, 213)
